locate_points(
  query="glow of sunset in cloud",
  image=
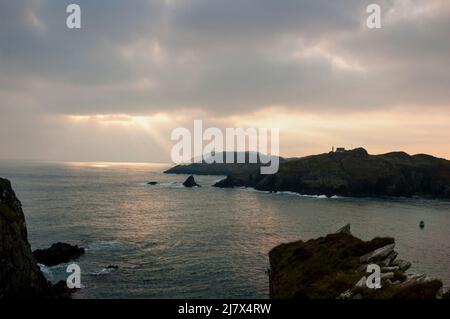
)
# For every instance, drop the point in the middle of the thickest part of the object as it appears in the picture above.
(116, 88)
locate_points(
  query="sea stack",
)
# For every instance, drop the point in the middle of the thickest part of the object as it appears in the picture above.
(190, 182)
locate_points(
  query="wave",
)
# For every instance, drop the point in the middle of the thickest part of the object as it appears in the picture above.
(102, 272)
(46, 271)
(308, 196)
(290, 193)
(56, 273)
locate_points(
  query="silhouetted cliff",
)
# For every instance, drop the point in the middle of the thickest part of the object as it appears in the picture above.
(353, 173)
(20, 276)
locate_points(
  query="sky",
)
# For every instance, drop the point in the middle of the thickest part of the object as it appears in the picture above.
(116, 88)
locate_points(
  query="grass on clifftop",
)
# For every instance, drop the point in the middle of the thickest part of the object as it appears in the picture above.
(319, 269)
(326, 267)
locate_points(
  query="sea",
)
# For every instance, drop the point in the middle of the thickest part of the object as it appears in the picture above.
(169, 241)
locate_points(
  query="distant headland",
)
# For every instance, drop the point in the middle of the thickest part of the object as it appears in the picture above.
(353, 173)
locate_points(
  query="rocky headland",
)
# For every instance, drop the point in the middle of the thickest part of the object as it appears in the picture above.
(353, 173)
(222, 169)
(335, 267)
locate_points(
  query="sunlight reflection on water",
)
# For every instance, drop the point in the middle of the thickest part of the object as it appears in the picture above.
(173, 242)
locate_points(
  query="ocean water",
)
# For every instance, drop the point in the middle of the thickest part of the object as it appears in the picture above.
(172, 242)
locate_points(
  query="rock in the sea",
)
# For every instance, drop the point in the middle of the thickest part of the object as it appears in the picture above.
(20, 276)
(190, 182)
(227, 182)
(58, 253)
(112, 267)
(152, 183)
(233, 181)
(379, 254)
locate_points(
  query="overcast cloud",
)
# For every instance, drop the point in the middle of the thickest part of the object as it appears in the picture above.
(221, 58)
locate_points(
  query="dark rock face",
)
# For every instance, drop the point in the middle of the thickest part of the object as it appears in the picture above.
(152, 183)
(58, 253)
(232, 181)
(190, 182)
(335, 267)
(354, 173)
(20, 276)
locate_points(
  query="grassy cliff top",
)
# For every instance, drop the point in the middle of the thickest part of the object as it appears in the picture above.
(328, 267)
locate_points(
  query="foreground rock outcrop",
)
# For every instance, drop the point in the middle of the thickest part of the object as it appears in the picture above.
(58, 253)
(335, 266)
(352, 173)
(20, 276)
